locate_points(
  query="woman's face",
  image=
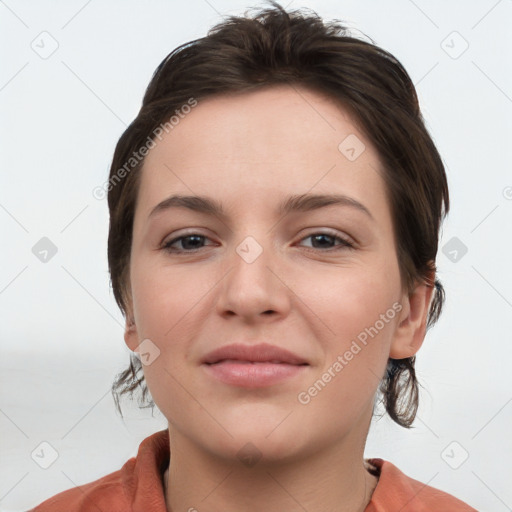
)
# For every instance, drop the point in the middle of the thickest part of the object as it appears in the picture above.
(256, 274)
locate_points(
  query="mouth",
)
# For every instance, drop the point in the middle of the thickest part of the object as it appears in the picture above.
(253, 366)
(261, 353)
(244, 361)
(252, 374)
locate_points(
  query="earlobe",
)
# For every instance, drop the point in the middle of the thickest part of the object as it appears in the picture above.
(411, 329)
(131, 336)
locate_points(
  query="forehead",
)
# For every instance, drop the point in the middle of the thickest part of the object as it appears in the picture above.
(282, 138)
(280, 116)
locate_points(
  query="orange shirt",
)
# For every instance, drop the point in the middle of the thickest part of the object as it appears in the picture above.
(138, 487)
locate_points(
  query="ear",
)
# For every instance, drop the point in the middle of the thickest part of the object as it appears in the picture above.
(411, 328)
(131, 336)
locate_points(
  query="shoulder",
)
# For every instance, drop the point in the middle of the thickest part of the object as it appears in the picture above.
(130, 489)
(397, 491)
(106, 493)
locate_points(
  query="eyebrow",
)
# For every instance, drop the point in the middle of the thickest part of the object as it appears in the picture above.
(296, 203)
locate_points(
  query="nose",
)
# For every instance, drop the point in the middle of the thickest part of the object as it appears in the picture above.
(255, 286)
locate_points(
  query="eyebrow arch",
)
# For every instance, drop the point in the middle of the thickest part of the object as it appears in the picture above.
(295, 203)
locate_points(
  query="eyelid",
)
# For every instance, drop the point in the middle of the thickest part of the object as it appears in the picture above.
(330, 232)
(185, 234)
(347, 241)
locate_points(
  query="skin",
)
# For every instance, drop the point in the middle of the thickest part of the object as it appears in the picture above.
(250, 151)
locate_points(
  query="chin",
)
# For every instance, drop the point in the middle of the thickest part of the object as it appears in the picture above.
(254, 448)
(267, 439)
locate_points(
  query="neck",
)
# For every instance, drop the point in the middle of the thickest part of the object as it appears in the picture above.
(331, 479)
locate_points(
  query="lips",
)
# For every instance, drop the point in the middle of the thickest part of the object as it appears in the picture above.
(253, 366)
(262, 353)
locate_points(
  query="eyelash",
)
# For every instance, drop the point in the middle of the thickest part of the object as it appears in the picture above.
(345, 244)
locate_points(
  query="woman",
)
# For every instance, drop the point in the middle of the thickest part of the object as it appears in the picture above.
(274, 219)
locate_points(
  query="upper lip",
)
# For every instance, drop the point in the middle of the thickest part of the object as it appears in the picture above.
(262, 352)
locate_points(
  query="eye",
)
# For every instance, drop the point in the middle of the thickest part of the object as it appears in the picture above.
(194, 241)
(327, 237)
(189, 243)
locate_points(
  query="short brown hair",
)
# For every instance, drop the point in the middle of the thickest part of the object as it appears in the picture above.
(298, 48)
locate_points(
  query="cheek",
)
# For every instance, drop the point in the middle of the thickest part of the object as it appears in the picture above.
(346, 301)
(353, 315)
(166, 304)
(165, 300)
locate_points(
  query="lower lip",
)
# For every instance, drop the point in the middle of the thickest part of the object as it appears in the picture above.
(253, 375)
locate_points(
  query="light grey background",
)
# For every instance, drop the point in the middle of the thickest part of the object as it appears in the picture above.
(61, 333)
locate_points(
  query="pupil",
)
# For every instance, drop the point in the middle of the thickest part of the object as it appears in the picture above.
(322, 236)
(188, 238)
